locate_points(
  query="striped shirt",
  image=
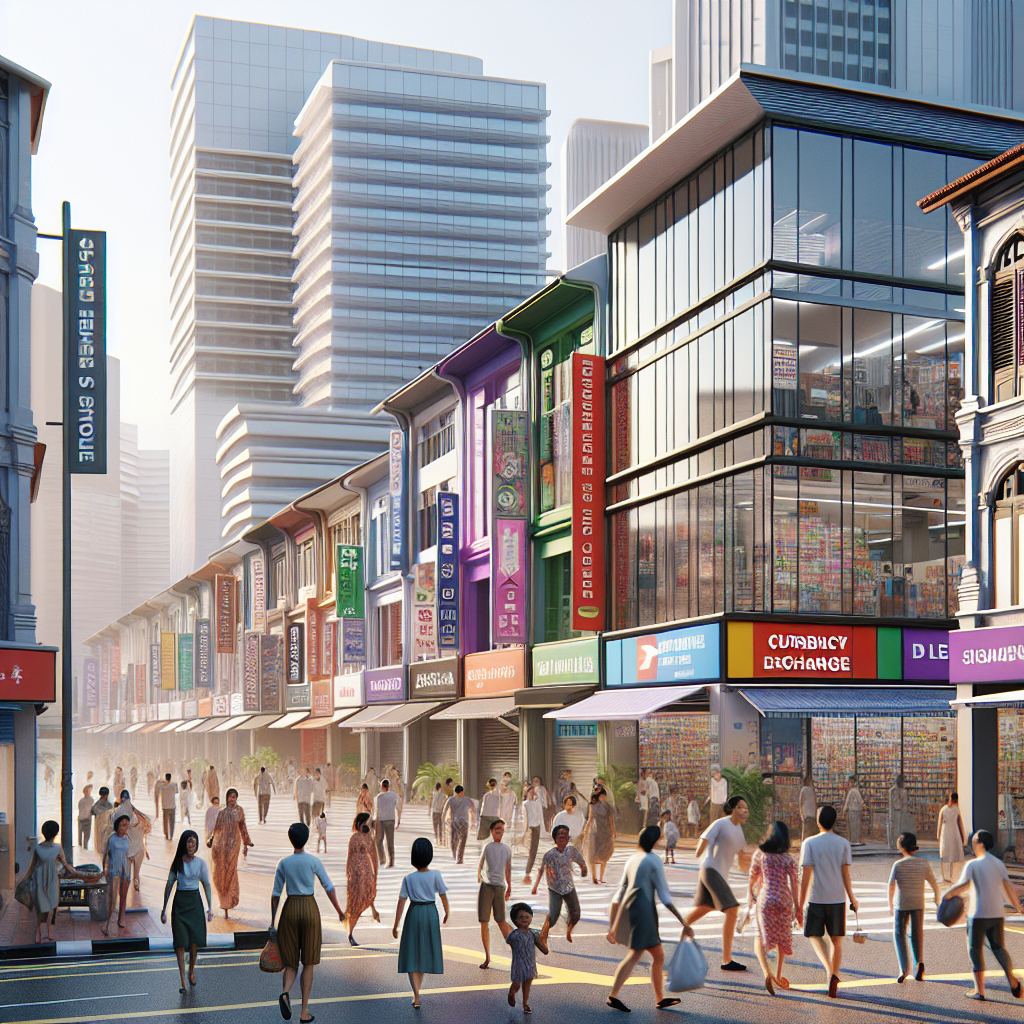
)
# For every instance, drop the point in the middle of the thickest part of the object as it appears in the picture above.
(910, 874)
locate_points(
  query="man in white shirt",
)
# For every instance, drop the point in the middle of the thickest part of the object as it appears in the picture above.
(507, 801)
(853, 807)
(488, 808)
(319, 793)
(168, 801)
(533, 818)
(808, 808)
(436, 812)
(653, 800)
(723, 840)
(825, 860)
(718, 795)
(212, 810)
(262, 786)
(304, 797)
(494, 873)
(384, 817)
(990, 886)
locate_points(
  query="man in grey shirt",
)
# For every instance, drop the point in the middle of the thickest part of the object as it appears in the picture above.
(262, 786)
(304, 796)
(319, 792)
(168, 801)
(385, 805)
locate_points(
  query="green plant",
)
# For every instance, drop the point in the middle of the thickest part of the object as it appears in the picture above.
(265, 757)
(429, 774)
(750, 785)
(622, 780)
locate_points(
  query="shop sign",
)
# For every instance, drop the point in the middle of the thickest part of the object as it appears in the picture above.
(784, 367)
(297, 697)
(237, 704)
(189, 709)
(993, 654)
(221, 705)
(575, 730)
(348, 586)
(494, 673)
(140, 684)
(625, 730)
(259, 594)
(186, 660)
(168, 657)
(353, 641)
(396, 488)
(384, 685)
(315, 622)
(163, 712)
(251, 672)
(296, 647)
(348, 690)
(28, 673)
(925, 654)
(115, 674)
(330, 658)
(91, 678)
(271, 671)
(447, 571)
(224, 588)
(177, 709)
(130, 684)
(155, 665)
(204, 707)
(784, 651)
(203, 676)
(690, 654)
(424, 612)
(588, 474)
(572, 662)
(509, 444)
(434, 680)
(322, 699)
(508, 572)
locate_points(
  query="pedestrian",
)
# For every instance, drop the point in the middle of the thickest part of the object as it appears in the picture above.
(494, 874)
(118, 781)
(906, 904)
(211, 784)
(571, 816)
(321, 832)
(398, 787)
(139, 826)
(598, 837)
(188, 926)
(420, 951)
(900, 819)
(488, 809)
(533, 821)
(545, 801)
(556, 868)
(364, 802)
(653, 799)
(85, 818)
(133, 777)
(460, 808)
(693, 818)
(299, 931)
(211, 817)
(319, 799)
(304, 797)
(634, 919)
(718, 795)
(670, 804)
(853, 810)
(722, 840)
(103, 812)
(825, 860)
(951, 837)
(371, 782)
(990, 886)
(197, 793)
(507, 801)
(671, 832)
(168, 799)
(562, 787)
(384, 816)
(185, 796)
(808, 808)
(525, 941)
(773, 892)
(229, 833)
(330, 782)
(262, 786)
(150, 779)
(436, 807)
(118, 871)
(42, 866)
(360, 875)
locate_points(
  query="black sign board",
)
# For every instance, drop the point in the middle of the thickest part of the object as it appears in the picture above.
(296, 652)
(434, 680)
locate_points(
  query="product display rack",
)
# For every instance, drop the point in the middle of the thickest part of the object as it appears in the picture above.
(677, 749)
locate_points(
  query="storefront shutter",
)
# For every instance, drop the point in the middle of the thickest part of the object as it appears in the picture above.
(441, 747)
(6, 726)
(391, 747)
(498, 749)
(577, 754)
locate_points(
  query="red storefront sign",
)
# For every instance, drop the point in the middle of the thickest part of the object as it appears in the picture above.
(224, 588)
(814, 652)
(494, 673)
(28, 673)
(588, 474)
(321, 699)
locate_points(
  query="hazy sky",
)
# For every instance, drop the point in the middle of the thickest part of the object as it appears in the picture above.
(105, 131)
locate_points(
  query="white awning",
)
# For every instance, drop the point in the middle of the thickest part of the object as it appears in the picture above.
(259, 722)
(1009, 699)
(231, 723)
(136, 727)
(289, 719)
(322, 723)
(363, 718)
(480, 707)
(209, 724)
(398, 716)
(191, 724)
(624, 705)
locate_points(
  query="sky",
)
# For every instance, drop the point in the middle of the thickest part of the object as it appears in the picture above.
(105, 134)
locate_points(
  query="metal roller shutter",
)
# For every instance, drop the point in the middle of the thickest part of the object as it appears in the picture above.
(577, 754)
(498, 747)
(441, 742)
(392, 745)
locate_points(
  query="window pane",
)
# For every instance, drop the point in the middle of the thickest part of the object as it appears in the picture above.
(784, 358)
(646, 568)
(681, 527)
(819, 219)
(784, 184)
(924, 235)
(872, 542)
(923, 397)
(743, 200)
(784, 539)
(872, 207)
(821, 363)
(923, 543)
(820, 541)
(871, 368)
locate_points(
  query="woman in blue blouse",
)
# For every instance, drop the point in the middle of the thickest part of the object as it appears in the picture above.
(188, 926)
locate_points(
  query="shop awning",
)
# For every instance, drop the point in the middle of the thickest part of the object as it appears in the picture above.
(322, 723)
(1010, 699)
(119, 727)
(232, 723)
(361, 719)
(191, 724)
(550, 696)
(171, 726)
(288, 720)
(136, 727)
(398, 716)
(481, 707)
(626, 704)
(209, 724)
(259, 722)
(154, 726)
(842, 702)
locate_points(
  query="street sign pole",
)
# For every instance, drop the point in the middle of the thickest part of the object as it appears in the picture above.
(67, 817)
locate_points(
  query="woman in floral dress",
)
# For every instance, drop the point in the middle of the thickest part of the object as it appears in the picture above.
(229, 833)
(774, 890)
(360, 874)
(598, 840)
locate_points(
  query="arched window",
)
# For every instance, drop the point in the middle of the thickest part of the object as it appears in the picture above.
(1008, 541)
(1007, 290)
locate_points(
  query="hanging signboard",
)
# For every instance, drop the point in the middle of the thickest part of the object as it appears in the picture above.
(348, 690)
(297, 697)
(509, 434)
(353, 641)
(396, 487)
(424, 613)
(115, 675)
(508, 581)
(140, 684)
(186, 659)
(447, 571)
(321, 698)
(315, 617)
(296, 650)
(104, 699)
(259, 594)
(155, 666)
(225, 589)
(384, 685)
(330, 650)
(349, 582)
(251, 671)
(91, 678)
(168, 656)
(221, 705)
(588, 476)
(271, 655)
(203, 674)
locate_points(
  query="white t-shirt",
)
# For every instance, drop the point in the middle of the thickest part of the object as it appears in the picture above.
(808, 806)
(986, 875)
(534, 811)
(826, 853)
(724, 841)
(493, 861)
(574, 821)
(719, 790)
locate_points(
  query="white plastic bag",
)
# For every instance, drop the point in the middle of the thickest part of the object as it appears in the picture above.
(688, 967)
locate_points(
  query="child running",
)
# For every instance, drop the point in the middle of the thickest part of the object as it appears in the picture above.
(906, 884)
(524, 941)
(671, 832)
(556, 867)
(321, 832)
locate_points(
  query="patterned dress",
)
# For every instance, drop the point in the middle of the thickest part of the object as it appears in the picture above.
(360, 874)
(776, 873)
(599, 845)
(228, 835)
(524, 953)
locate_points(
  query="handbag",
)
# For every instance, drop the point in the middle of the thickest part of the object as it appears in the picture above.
(951, 910)
(25, 891)
(688, 967)
(859, 936)
(270, 958)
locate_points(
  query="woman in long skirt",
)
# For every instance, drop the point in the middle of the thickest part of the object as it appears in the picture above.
(43, 865)
(598, 838)
(188, 926)
(420, 951)
(229, 833)
(774, 891)
(951, 838)
(360, 875)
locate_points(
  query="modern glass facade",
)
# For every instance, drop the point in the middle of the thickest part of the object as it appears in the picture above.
(780, 318)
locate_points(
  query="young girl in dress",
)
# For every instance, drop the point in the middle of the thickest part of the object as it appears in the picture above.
(321, 832)
(524, 941)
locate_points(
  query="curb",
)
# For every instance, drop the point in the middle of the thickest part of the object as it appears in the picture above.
(145, 944)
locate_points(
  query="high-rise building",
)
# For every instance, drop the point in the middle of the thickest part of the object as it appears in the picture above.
(428, 159)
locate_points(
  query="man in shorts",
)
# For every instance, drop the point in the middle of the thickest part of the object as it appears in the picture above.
(723, 840)
(825, 860)
(494, 873)
(556, 867)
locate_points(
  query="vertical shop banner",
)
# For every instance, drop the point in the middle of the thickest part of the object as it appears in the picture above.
(186, 661)
(91, 679)
(104, 688)
(271, 672)
(509, 440)
(296, 652)
(349, 582)
(155, 666)
(85, 272)
(140, 684)
(203, 674)
(424, 613)
(259, 594)
(588, 476)
(315, 622)
(396, 488)
(251, 671)
(509, 447)
(224, 610)
(115, 675)
(447, 571)
(330, 651)
(321, 698)
(168, 656)
(353, 641)
(129, 692)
